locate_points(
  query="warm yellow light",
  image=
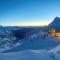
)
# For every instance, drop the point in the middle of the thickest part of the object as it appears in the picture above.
(28, 24)
(33, 24)
(58, 34)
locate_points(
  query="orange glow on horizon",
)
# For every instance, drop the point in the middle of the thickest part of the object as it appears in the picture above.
(28, 24)
(32, 24)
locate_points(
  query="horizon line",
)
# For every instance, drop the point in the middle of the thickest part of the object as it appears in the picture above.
(32, 24)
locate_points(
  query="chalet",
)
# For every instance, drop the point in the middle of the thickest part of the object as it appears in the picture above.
(54, 32)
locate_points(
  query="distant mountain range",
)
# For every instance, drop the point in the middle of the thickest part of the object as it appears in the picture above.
(7, 37)
(10, 27)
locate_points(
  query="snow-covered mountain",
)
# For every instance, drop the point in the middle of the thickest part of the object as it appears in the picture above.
(10, 27)
(10, 38)
(55, 23)
(37, 39)
(7, 38)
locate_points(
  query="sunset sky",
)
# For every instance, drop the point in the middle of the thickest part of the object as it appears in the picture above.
(28, 12)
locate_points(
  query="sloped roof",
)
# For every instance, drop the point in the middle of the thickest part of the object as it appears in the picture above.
(55, 23)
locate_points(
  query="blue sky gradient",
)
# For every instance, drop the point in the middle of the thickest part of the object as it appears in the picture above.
(17, 12)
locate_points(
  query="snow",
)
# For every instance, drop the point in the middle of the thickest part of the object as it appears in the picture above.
(35, 46)
(35, 41)
(41, 54)
(7, 40)
(26, 55)
(55, 50)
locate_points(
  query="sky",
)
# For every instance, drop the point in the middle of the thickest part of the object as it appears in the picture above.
(28, 12)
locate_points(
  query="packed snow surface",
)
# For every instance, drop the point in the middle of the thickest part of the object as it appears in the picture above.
(31, 55)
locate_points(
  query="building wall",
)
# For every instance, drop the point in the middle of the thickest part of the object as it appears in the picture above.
(53, 33)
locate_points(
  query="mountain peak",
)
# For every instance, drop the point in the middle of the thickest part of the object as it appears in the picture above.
(57, 18)
(55, 23)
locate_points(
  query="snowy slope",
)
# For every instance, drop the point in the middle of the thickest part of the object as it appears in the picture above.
(55, 53)
(35, 41)
(7, 40)
(26, 55)
(55, 50)
(37, 45)
(30, 55)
